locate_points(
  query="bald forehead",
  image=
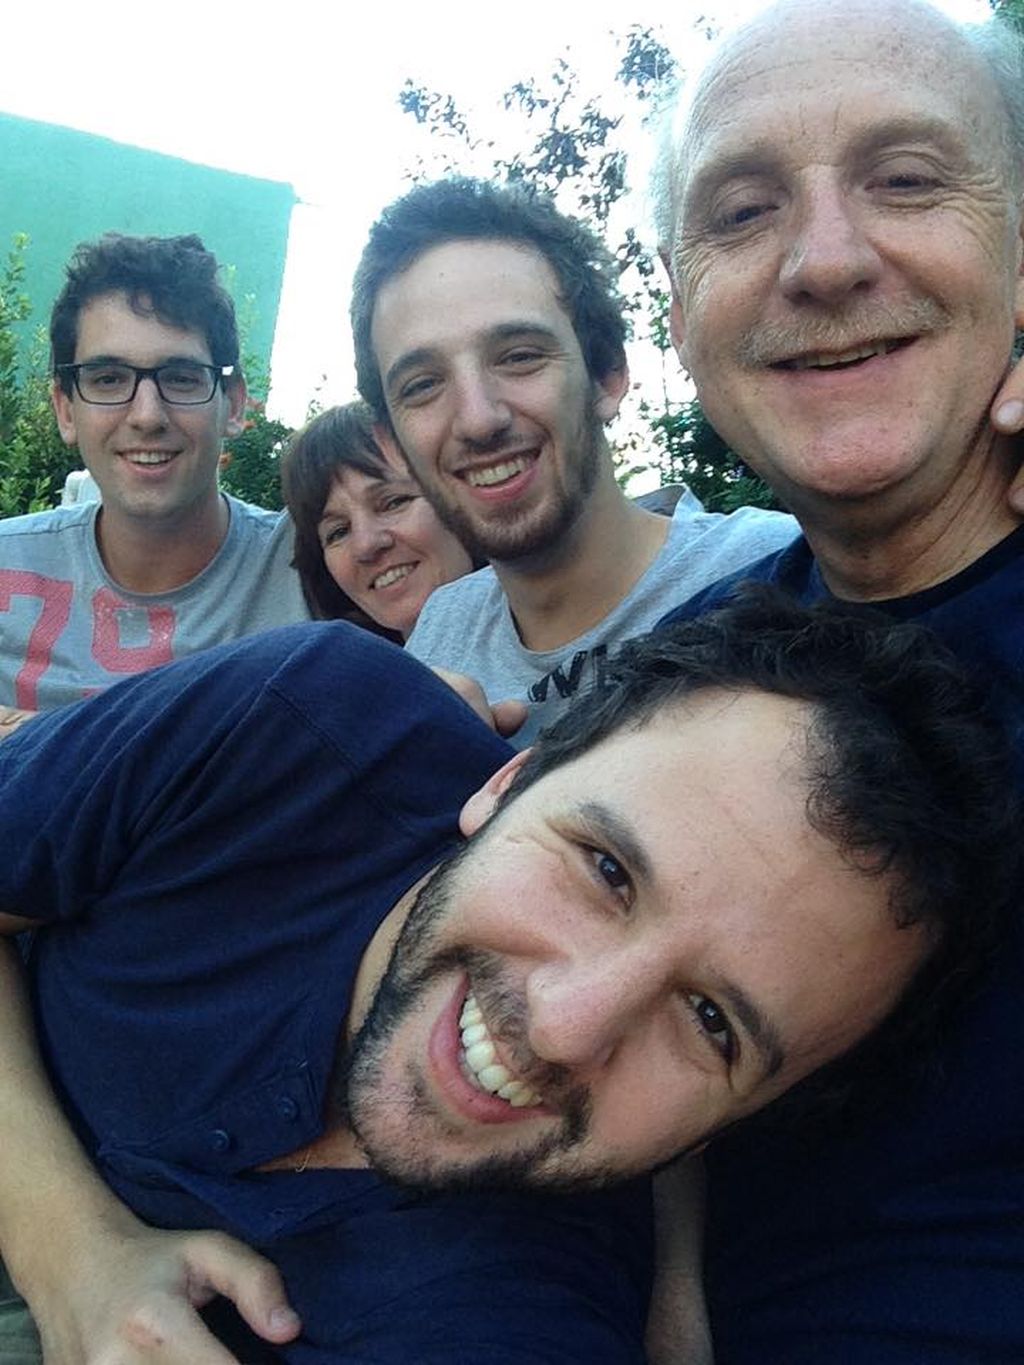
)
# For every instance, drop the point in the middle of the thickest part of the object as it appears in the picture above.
(910, 31)
(845, 47)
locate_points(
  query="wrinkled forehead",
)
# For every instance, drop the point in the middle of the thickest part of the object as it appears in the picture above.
(829, 66)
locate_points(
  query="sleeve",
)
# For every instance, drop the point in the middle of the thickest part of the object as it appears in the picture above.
(212, 740)
(74, 783)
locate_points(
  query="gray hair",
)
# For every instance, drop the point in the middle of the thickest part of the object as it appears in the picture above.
(996, 42)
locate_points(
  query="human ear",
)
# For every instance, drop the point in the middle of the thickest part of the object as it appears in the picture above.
(483, 803)
(676, 322)
(237, 395)
(64, 411)
(610, 391)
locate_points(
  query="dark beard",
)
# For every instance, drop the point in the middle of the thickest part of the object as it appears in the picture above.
(412, 968)
(523, 537)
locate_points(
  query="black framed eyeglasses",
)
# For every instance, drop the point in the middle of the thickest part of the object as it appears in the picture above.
(181, 383)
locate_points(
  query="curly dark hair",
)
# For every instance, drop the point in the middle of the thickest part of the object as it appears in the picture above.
(462, 209)
(907, 773)
(174, 278)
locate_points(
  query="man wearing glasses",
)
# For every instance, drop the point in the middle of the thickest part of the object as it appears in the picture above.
(147, 384)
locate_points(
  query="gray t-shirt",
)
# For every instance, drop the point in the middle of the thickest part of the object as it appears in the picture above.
(68, 630)
(467, 626)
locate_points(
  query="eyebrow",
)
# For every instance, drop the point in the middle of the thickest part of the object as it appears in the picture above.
(608, 824)
(503, 331)
(169, 360)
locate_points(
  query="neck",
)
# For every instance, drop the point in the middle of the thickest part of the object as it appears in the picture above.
(888, 546)
(557, 596)
(145, 555)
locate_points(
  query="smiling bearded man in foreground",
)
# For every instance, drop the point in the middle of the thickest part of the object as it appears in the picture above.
(260, 969)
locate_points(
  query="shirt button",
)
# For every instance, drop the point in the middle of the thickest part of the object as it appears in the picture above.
(220, 1140)
(287, 1108)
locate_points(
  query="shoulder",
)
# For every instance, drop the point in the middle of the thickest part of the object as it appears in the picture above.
(259, 520)
(790, 567)
(53, 521)
(757, 529)
(458, 606)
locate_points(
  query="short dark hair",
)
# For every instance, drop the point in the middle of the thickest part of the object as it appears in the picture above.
(907, 773)
(339, 438)
(174, 278)
(462, 209)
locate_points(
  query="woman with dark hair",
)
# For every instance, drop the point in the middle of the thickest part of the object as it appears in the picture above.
(369, 548)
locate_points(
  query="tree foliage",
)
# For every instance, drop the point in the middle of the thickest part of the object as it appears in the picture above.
(1010, 10)
(569, 144)
(35, 459)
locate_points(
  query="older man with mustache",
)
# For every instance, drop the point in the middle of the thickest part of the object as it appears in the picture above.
(842, 218)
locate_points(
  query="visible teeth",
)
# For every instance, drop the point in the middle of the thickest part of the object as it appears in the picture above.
(148, 457)
(828, 362)
(481, 1060)
(517, 1094)
(390, 576)
(481, 1054)
(492, 1078)
(496, 473)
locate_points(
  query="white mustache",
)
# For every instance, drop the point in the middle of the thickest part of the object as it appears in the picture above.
(774, 342)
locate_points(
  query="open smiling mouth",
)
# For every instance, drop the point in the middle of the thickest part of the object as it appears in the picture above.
(843, 360)
(149, 457)
(489, 476)
(392, 575)
(479, 1061)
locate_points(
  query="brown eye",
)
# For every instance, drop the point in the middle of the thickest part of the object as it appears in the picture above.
(610, 873)
(714, 1022)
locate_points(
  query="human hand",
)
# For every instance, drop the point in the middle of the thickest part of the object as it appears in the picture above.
(1007, 415)
(11, 717)
(1007, 411)
(136, 1302)
(505, 717)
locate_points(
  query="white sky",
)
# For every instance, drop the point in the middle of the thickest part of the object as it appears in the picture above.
(307, 93)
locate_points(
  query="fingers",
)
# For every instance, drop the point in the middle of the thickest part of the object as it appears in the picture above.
(508, 716)
(10, 718)
(1008, 415)
(219, 1265)
(163, 1330)
(1008, 408)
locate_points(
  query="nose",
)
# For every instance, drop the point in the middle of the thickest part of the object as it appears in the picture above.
(581, 1009)
(369, 537)
(830, 255)
(481, 414)
(147, 410)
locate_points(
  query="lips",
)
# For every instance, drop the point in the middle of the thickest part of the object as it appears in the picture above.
(488, 476)
(395, 574)
(459, 1082)
(148, 457)
(833, 360)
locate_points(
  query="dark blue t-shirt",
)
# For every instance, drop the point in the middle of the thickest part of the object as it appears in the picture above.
(902, 1242)
(213, 844)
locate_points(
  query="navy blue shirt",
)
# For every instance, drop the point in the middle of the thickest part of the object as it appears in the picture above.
(213, 845)
(902, 1242)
